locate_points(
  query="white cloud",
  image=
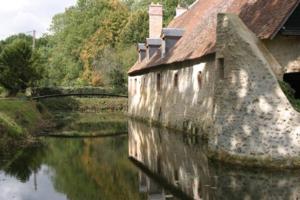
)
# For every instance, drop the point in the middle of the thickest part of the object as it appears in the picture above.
(21, 16)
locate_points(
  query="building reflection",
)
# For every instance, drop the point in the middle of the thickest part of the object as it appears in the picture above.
(175, 166)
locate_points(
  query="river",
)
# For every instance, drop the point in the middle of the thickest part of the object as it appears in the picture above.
(147, 163)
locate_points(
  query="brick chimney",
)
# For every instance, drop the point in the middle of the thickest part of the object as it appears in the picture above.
(155, 20)
(170, 37)
(180, 10)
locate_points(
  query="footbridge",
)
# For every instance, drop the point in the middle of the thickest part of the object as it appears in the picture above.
(78, 95)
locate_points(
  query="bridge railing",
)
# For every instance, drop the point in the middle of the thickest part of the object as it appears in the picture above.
(78, 95)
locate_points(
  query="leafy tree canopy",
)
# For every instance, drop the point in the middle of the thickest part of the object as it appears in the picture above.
(92, 42)
(19, 65)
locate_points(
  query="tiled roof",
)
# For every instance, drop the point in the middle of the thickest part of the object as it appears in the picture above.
(263, 17)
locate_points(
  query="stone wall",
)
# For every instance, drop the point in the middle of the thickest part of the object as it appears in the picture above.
(185, 107)
(286, 51)
(254, 123)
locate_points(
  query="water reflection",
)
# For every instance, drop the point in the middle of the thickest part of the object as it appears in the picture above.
(178, 164)
(79, 169)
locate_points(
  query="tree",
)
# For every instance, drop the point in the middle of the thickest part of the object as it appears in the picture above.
(117, 79)
(18, 66)
(169, 6)
(82, 35)
(137, 28)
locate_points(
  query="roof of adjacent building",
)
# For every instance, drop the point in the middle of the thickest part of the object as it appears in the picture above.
(264, 17)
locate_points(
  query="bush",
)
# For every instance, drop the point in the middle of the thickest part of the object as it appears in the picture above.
(18, 67)
(117, 80)
(2, 91)
(290, 93)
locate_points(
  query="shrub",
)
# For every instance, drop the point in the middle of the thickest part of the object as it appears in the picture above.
(18, 67)
(290, 93)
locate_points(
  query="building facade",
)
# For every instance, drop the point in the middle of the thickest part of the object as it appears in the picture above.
(217, 75)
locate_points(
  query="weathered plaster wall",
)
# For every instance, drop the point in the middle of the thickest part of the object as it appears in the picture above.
(186, 107)
(286, 51)
(254, 121)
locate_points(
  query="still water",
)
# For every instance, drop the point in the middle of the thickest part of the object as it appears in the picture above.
(148, 163)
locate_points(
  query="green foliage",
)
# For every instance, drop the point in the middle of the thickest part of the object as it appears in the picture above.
(19, 66)
(169, 6)
(2, 92)
(117, 79)
(93, 37)
(290, 93)
(136, 29)
(19, 119)
(76, 31)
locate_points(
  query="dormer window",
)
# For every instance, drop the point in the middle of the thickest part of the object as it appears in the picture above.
(170, 37)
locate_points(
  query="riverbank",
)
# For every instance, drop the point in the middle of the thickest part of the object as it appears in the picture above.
(91, 105)
(20, 120)
(87, 117)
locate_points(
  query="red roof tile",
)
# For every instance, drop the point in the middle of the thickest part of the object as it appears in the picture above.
(263, 17)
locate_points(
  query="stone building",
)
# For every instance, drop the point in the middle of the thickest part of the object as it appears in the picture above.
(215, 71)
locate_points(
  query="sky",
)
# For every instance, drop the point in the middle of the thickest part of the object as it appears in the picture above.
(22, 16)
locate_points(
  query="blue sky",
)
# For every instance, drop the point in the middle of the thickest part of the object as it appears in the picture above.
(25, 15)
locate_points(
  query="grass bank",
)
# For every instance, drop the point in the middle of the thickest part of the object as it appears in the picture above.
(20, 120)
(89, 105)
(87, 117)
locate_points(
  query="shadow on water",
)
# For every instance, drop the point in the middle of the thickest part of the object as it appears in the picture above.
(179, 165)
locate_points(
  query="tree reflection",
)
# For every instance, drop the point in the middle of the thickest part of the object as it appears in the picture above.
(25, 162)
(93, 169)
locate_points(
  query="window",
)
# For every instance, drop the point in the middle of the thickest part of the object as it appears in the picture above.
(176, 176)
(135, 86)
(221, 68)
(159, 165)
(200, 79)
(199, 190)
(158, 82)
(176, 80)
